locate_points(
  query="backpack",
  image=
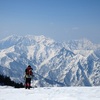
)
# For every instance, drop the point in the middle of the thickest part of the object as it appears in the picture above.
(28, 71)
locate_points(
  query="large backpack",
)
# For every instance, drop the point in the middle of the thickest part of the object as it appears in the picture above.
(28, 71)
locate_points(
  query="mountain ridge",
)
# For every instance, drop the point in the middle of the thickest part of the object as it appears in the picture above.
(75, 63)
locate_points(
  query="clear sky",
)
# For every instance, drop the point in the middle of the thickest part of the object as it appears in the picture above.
(61, 20)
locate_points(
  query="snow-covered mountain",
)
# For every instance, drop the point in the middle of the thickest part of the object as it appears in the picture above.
(74, 63)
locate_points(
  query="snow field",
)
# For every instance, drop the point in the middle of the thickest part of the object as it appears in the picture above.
(50, 93)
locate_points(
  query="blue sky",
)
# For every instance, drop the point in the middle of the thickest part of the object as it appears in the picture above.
(61, 20)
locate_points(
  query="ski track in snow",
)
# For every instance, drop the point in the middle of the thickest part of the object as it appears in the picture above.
(50, 93)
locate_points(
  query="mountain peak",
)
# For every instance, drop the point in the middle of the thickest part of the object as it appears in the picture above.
(11, 37)
(81, 44)
(53, 61)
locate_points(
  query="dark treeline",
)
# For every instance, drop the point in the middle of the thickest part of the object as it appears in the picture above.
(4, 80)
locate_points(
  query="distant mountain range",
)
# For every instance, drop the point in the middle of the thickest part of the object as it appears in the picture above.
(73, 63)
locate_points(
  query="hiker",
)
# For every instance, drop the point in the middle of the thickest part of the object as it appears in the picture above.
(28, 77)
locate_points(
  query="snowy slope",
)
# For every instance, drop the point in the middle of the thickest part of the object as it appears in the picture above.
(54, 93)
(76, 63)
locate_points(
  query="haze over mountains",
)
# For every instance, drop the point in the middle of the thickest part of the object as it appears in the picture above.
(73, 63)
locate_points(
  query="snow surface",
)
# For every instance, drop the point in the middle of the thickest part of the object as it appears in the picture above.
(50, 93)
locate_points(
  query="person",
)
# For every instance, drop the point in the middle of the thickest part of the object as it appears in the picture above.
(28, 77)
